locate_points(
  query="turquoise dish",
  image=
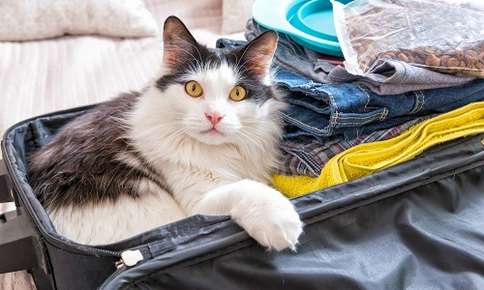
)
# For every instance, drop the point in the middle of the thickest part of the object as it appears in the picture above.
(307, 22)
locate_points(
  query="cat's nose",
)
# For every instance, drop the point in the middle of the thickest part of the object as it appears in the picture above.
(214, 117)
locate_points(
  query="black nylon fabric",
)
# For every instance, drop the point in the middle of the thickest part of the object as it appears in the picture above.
(428, 238)
(414, 226)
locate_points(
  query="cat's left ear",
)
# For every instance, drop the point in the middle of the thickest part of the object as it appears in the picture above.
(179, 45)
(257, 55)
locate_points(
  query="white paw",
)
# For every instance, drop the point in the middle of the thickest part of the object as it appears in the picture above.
(269, 218)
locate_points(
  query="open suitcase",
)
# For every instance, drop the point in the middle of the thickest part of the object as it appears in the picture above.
(419, 225)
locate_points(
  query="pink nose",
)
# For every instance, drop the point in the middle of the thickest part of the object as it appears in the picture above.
(214, 117)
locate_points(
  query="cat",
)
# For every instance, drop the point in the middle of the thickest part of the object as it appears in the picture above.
(202, 138)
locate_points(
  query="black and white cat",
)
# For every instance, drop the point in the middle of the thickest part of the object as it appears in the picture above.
(203, 138)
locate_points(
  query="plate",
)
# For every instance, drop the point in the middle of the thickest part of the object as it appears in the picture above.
(307, 22)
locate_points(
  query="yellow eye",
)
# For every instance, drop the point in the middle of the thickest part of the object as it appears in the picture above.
(193, 89)
(238, 93)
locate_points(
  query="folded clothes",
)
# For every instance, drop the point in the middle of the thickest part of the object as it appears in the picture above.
(365, 159)
(390, 77)
(325, 110)
(387, 78)
(307, 156)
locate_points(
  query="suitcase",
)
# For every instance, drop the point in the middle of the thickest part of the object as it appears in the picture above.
(418, 225)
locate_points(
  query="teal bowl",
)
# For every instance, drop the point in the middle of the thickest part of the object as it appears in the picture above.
(307, 22)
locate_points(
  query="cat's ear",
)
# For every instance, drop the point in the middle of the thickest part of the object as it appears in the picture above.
(178, 42)
(257, 55)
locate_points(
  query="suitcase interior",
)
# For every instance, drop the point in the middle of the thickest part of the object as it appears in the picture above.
(415, 226)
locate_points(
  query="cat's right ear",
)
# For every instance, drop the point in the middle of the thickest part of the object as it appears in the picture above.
(178, 42)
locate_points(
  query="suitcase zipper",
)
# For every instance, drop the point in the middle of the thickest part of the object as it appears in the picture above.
(132, 257)
(129, 258)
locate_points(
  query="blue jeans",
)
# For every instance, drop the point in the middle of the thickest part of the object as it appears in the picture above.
(324, 110)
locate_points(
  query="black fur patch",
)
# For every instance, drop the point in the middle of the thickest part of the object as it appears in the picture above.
(80, 165)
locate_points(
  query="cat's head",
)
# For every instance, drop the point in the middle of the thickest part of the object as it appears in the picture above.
(217, 96)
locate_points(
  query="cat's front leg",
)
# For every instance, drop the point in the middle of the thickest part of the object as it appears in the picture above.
(263, 212)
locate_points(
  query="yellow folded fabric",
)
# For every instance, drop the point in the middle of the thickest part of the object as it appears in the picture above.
(365, 159)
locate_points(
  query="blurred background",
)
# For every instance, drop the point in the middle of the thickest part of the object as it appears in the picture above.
(55, 72)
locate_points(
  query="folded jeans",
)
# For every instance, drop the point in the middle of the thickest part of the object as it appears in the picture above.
(324, 110)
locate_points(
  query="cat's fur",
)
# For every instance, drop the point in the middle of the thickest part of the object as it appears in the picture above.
(146, 159)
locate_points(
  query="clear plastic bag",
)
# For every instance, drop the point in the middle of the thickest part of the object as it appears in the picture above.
(442, 35)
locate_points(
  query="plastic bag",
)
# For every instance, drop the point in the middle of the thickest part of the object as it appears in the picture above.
(442, 35)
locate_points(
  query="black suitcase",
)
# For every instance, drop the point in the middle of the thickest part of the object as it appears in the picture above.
(418, 225)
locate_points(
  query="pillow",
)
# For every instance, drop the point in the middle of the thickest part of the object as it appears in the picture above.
(37, 19)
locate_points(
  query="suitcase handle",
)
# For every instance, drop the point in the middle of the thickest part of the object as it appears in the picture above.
(19, 244)
(5, 188)
(21, 249)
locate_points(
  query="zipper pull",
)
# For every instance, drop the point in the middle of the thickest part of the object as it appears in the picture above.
(129, 258)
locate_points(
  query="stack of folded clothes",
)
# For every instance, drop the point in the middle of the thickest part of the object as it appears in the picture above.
(335, 120)
(365, 159)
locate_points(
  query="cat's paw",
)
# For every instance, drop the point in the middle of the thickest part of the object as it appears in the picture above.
(269, 218)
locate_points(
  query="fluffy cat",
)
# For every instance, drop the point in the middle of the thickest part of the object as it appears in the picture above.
(202, 138)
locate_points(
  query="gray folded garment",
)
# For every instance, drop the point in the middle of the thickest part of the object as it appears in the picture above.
(389, 77)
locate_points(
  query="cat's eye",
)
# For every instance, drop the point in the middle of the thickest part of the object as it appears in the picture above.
(193, 89)
(238, 93)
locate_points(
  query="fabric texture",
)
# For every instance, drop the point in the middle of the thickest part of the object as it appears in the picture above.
(28, 20)
(388, 78)
(307, 156)
(365, 159)
(325, 110)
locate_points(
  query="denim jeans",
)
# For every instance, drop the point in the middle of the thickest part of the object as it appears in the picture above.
(324, 110)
